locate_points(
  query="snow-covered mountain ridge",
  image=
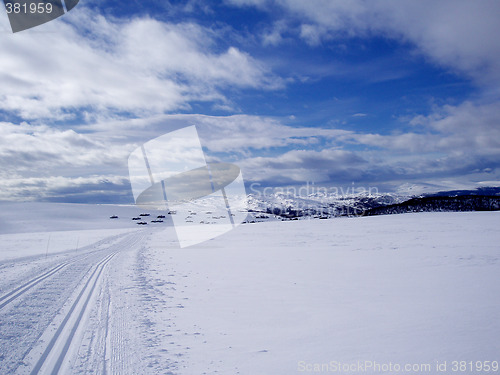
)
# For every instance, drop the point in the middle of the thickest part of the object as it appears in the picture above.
(288, 206)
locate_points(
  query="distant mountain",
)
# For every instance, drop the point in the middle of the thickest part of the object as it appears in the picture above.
(285, 206)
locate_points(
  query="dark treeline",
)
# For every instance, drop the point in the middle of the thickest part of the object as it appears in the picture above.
(439, 203)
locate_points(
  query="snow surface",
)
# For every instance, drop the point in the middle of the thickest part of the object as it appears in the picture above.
(266, 298)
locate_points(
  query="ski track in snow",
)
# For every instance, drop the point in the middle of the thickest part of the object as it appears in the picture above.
(43, 321)
(12, 295)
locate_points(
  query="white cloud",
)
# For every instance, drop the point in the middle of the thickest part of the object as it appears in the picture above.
(453, 141)
(243, 133)
(467, 128)
(40, 162)
(458, 34)
(299, 166)
(274, 35)
(40, 149)
(247, 2)
(141, 66)
(236, 134)
(53, 187)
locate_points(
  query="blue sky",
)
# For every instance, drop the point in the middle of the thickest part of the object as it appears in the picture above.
(403, 96)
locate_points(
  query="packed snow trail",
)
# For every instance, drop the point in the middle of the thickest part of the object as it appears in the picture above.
(55, 352)
(12, 295)
(44, 318)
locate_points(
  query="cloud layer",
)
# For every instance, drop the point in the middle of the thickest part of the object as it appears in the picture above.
(79, 94)
(142, 66)
(459, 142)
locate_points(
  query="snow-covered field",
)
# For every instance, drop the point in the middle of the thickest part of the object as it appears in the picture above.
(305, 296)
